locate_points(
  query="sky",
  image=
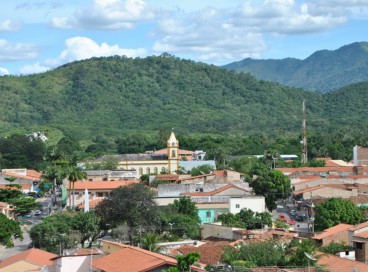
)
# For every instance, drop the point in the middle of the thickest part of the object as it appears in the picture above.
(39, 35)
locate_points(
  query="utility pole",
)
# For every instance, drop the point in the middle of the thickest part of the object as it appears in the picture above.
(304, 141)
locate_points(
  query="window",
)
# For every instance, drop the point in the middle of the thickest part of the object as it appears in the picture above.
(148, 170)
(358, 245)
(173, 154)
(208, 214)
(237, 206)
(155, 170)
(141, 171)
(100, 194)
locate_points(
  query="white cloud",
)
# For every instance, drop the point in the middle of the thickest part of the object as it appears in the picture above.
(34, 69)
(80, 48)
(9, 25)
(17, 51)
(4, 71)
(107, 14)
(221, 35)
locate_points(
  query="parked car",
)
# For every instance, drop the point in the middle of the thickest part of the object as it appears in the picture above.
(37, 212)
(293, 212)
(299, 218)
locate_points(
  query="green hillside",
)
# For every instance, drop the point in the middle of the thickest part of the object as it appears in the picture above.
(322, 71)
(116, 95)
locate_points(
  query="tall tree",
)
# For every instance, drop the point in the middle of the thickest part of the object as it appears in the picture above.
(335, 211)
(73, 174)
(273, 185)
(133, 205)
(9, 230)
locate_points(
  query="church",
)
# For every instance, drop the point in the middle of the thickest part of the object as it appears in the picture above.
(149, 162)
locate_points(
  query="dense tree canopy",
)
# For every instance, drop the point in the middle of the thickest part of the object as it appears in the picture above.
(335, 211)
(132, 205)
(9, 230)
(272, 184)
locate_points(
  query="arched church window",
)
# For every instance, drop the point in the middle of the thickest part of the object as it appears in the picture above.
(156, 170)
(173, 154)
(141, 171)
(148, 170)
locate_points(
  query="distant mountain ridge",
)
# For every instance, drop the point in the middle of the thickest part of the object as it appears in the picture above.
(116, 95)
(323, 71)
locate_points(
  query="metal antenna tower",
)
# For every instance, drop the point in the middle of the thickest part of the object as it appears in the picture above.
(304, 141)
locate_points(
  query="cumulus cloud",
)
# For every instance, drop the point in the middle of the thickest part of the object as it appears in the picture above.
(17, 51)
(4, 71)
(220, 35)
(34, 69)
(80, 48)
(9, 25)
(107, 14)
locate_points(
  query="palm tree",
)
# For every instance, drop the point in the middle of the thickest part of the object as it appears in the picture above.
(74, 173)
(150, 242)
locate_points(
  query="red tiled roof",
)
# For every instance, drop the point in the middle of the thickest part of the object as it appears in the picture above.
(30, 175)
(210, 253)
(92, 203)
(24, 186)
(131, 259)
(359, 226)
(214, 192)
(334, 263)
(94, 185)
(196, 177)
(34, 256)
(363, 234)
(333, 230)
(310, 189)
(325, 169)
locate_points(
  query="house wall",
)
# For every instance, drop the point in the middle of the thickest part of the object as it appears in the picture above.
(340, 237)
(92, 195)
(218, 231)
(174, 190)
(313, 183)
(328, 192)
(206, 215)
(350, 255)
(230, 176)
(143, 165)
(199, 179)
(254, 203)
(73, 264)
(164, 201)
(361, 254)
(233, 192)
(110, 247)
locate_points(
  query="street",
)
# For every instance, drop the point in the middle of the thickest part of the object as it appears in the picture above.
(20, 246)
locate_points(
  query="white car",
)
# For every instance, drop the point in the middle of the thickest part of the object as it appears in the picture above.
(293, 212)
(37, 212)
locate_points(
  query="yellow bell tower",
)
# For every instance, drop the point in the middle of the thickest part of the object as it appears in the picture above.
(173, 153)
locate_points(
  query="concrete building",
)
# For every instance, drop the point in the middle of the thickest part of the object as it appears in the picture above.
(148, 163)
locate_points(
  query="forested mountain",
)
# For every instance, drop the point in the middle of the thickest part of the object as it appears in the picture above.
(115, 95)
(322, 71)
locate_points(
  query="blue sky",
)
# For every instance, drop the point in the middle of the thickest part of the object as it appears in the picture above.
(37, 35)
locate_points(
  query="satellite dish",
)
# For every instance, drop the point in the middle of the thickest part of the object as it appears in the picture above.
(310, 257)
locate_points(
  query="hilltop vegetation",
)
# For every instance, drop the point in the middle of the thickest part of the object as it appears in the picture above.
(125, 105)
(322, 71)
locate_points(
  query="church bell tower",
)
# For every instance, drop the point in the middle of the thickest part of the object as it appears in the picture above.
(173, 153)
